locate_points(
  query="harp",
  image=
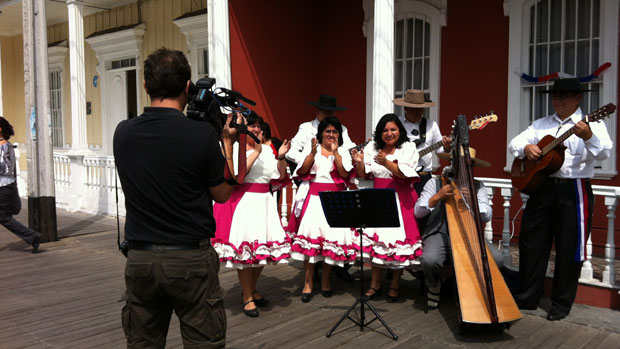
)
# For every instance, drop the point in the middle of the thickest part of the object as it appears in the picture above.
(484, 297)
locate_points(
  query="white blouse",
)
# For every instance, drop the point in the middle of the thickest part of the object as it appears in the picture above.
(407, 156)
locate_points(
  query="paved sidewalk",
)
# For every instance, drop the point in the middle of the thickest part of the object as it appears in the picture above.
(68, 296)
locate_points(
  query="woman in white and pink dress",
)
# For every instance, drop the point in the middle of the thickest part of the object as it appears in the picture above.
(390, 160)
(326, 167)
(249, 234)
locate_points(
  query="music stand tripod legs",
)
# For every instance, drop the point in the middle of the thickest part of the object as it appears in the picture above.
(361, 300)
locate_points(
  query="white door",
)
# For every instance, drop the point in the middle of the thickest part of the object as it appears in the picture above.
(116, 105)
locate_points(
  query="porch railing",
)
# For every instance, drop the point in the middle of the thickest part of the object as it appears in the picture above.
(86, 183)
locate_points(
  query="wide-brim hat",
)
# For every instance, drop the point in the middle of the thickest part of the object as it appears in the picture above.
(413, 99)
(327, 102)
(472, 153)
(566, 85)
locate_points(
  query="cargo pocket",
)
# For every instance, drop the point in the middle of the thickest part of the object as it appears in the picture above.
(217, 317)
(185, 280)
(137, 277)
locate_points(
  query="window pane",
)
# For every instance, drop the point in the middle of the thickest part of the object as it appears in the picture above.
(419, 37)
(398, 76)
(569, 58)
(427, 39)
(541, 60)
(569, 20)
(398, 40)
(542, 21)
(531, 61)
(555, 58)
(409, 75)
(595, 62)
(583, 25)
(426, 69)
(417, 69)
(595, 16)
(409, 37)
(532, 23)
(583, 58)
(205, 55)
(555, 21)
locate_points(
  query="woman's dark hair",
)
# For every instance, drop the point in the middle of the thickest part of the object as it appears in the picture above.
(266, 131)
(252, 118)
(166, 73)
(379, 143)
(329, 120)
(7, 128)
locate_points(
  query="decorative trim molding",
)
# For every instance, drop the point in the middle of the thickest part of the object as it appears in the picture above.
(57, 54)
(196, 33)
(117, 45)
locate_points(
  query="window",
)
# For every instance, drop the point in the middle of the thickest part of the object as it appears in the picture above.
(570, 37)
(203, 62)
(564, 37)
(411, 56)
(55, 85)
(123, 63)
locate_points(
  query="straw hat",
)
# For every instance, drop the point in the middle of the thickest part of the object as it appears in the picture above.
(414, 99)
(472, 153)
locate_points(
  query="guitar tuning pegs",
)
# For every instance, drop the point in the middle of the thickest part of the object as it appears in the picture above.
(491, 112)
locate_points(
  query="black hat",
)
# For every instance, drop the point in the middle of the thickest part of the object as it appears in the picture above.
(566, 85)
(327, 102)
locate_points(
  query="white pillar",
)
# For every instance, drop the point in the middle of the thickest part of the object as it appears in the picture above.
(383, 59)
(609, 274)
(219, 42)
(79, 142)
(1, 111)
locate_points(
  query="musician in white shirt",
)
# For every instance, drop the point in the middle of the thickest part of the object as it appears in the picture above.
(421, 131)
(561, 209)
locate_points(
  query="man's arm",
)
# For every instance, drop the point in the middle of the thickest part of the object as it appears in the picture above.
(297, 145)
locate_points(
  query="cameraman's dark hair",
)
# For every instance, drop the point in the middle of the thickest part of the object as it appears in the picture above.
(379, 143)
(329, 120)
(266, 130)
(7, 128)
(252, 118)
(166, 73)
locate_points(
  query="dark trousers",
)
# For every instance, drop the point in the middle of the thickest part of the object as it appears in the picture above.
(551, 214)
(186, 282)
(10, 205)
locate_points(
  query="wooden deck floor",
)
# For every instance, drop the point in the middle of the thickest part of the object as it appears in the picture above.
(68, 296)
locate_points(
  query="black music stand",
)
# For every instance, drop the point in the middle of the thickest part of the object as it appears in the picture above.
(360, 209)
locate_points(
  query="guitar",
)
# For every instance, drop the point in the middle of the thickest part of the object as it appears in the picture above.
(528, 175)
(476, 124)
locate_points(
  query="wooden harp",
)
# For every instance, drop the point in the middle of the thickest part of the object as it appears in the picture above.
(484, 297)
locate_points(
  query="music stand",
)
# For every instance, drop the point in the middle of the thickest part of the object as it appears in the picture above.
(360, 209)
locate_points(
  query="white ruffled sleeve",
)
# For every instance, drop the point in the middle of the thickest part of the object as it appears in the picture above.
(408, 159)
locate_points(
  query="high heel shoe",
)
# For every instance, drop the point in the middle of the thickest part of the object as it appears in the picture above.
(376, 293)
(306, 297)
(261, 302)
(250, 312)
(392, 299)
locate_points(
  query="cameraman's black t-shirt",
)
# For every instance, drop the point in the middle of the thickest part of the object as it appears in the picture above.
(166, 164)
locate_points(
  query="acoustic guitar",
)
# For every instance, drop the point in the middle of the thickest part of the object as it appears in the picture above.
(529, 175)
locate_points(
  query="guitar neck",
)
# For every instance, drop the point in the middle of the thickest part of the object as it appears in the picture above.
(549, 147)
(430, 148)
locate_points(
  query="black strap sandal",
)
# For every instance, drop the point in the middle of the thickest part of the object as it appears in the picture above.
(251, 312)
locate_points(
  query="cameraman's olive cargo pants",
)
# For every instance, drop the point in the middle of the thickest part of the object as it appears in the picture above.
(186, 281)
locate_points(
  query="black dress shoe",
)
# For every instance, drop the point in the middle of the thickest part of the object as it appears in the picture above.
(326, 293)
(392, 299)
(306, 297)
(35, 243)
(555, 314)
(261, 302)
(251, 312)
(376, 293)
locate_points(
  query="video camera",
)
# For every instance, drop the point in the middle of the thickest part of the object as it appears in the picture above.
(206, 104)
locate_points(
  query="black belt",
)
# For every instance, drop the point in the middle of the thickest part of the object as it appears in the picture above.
(140, 245)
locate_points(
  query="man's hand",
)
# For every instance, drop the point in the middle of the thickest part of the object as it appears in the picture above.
(532, 152)
(258, 146)
(582, 130)
(445, 191)
(231, 132)
(446, 141)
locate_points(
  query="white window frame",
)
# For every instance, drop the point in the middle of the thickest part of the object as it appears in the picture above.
(518, 117)
(195, 29)
(56, 56)
(57, 143)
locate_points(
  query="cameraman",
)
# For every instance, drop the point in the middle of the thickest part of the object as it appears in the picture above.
(171, 168)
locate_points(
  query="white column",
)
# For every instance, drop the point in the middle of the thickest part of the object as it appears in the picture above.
(219, 42)
(506, 234)
(78, 81)
(1, 111)
(609, 274)
(383, 59)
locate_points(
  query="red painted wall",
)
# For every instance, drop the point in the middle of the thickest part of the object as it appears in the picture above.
(286, 53)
